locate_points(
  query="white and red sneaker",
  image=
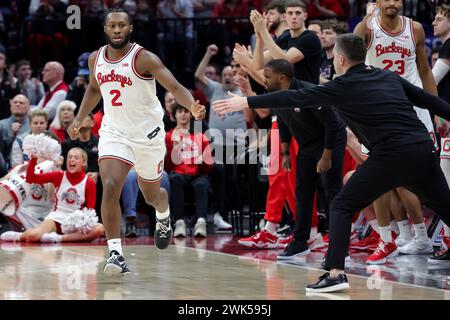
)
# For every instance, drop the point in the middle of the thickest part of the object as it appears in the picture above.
(262, 240)
(286, 240)
(316, 243)
(368, 243)
(383, 252)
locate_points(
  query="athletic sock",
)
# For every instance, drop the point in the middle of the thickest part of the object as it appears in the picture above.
(115, 244)
(162, 215)
(374, 224)
(386, 234)
(405, 229)
(51, 237)
(271, 227)
(420, 231)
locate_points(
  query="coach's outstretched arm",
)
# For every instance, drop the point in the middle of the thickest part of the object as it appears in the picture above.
(315, 97)
(148, 63)
(90, 99)
(425, 100)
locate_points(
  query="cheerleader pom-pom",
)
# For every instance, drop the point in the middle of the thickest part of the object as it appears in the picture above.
(80, 221)
(41, 146)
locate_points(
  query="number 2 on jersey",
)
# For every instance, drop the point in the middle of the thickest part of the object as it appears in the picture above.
(399, 63)
(114, 102)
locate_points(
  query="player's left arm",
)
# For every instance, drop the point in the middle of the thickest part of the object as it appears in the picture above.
(423, 66)
(148, 64)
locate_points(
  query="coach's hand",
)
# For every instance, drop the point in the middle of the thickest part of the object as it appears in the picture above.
(198, 110)
(74, 129)
(323, 165)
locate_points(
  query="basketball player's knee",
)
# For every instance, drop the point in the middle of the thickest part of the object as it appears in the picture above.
(111, 187)
(152, 198)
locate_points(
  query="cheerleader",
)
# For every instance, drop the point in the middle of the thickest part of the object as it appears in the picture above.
(73, 218)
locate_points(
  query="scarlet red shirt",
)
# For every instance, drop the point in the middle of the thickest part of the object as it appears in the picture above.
(56, 177)
(333, 5)
(190, 156)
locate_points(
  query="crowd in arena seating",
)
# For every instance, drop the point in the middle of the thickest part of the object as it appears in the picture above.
(42, 83)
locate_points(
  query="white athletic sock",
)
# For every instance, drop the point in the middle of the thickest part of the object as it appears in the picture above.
(420, 231)
(51, 237)
(271, 227)
(374, 224)
(386, 234)
(115, 244)
(405, 229)
(446, 230)
(162, 215)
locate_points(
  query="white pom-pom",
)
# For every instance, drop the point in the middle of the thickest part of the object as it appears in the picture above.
(80, 221)
(41, 146)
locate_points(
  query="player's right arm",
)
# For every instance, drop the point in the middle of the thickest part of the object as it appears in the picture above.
(90, 100)
(362, 30)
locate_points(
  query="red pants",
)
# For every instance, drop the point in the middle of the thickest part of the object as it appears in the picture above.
(281, 182)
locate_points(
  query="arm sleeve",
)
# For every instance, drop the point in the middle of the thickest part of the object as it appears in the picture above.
(440, 70)
(90, 193)
(54, 177)
(285, 134)
(331, 125)
(424, 100)
(319, 96)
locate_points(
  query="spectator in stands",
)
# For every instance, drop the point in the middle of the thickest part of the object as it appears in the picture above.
(32, 88)
(38, 124)
(188, 161)
(78, 86)
(212, 72)
(65, 117)
(169, 120)
(8, 84)
(324, 8)
(17, 125)
(175, 33)
(330, 30)
(130, 194)
(52, 76)
(300, 47)
(316, 27)
(227, 33)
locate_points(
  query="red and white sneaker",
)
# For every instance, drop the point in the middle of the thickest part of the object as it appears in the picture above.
(286, 240)
(262, 240)
(316, 243)
(445, 244)
(368, 243)
(383, 252)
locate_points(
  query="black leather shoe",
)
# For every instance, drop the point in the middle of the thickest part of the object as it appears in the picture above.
(328, 284)
(294, 249)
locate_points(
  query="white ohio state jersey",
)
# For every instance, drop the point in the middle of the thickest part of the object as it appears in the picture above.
(397, 53)
(394, 52)
(131, 107)
(70, 197)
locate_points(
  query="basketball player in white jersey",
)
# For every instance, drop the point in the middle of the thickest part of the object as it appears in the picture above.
(132, 131)
(397, 43)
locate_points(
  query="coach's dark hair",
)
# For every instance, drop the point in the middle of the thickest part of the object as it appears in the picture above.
(277, 5)
(351, 46)
(281, 66)
(117, 10)
(294, 3)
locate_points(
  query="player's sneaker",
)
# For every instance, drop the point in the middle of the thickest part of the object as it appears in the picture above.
(286, 240)
(294, 249)
(262, 240)
(327, 283)
(200, 228)
(383, 252)
(115, 265)
(400, 241)
(368, 243)
(285, 231)
(316, 243)
(163, 233)
(180, 228)
(440, 257)
(11, 236)
(417, 246)
(220, 223)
